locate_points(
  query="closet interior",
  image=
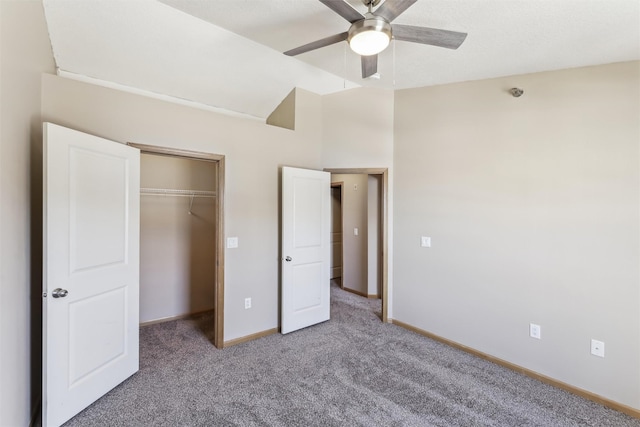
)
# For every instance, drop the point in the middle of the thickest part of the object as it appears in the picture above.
(178, 208)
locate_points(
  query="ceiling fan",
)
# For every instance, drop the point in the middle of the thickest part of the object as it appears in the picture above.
(371, 33)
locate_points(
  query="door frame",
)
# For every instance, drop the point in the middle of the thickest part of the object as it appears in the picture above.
(384, 220)
(340, 185)
(218, 292)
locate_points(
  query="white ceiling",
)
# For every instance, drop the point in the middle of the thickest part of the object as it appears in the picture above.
(226, 54)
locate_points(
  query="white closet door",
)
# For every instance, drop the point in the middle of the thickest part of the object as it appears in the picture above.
(91, 269)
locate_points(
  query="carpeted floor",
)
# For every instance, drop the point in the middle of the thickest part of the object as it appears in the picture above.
(353, 370)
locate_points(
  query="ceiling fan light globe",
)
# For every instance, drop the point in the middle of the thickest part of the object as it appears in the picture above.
(369, 36)
(369, 43)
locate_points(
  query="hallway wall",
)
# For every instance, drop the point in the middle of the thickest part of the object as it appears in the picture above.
(354, 247)
(374, 239)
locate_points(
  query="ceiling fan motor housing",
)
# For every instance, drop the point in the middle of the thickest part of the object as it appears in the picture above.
(369, 36)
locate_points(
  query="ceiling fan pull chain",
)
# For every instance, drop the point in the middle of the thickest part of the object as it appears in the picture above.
(344, 66)
(394, 61)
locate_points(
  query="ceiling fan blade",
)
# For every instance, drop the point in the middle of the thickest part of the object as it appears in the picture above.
(344, 9)
(432, 36)
(327, 41)
(369, 65)
(390, 9)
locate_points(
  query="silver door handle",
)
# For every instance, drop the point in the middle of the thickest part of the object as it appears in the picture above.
(59, 293)
(288, 259)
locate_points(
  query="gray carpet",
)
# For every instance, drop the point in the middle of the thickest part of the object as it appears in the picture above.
(353, 370)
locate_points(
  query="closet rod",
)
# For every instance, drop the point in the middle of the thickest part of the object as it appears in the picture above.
(173, 192)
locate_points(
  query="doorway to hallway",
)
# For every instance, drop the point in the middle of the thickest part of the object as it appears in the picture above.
(359, 232)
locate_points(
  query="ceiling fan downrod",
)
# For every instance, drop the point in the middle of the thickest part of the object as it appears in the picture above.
(371, 3)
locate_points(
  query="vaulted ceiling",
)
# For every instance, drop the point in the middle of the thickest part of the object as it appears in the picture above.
(227, 54)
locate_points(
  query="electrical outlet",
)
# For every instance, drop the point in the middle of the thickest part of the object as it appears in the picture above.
(597, 348)
(534, 331)
(247, 303)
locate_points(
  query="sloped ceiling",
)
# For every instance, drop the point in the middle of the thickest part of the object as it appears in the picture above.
(226, 54)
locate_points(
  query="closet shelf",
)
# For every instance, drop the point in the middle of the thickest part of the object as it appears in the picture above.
(172, 192)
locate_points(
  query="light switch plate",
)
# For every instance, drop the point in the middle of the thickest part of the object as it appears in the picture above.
(425, 242)
(597, 348)
(232, 242)
(355, 231)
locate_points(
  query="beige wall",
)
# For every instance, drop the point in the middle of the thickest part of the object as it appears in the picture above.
(358, 129)
(532, 205)
(373, 235)
(354, 215)
(284, 115)
(358, 132)
(177, 245)
(253, 153)
(25, 53)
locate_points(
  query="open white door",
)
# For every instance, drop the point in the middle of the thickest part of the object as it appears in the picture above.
(91, 267)
(306, 221)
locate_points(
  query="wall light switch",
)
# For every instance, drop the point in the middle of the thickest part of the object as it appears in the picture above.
(355, 187)
(597, 348)
(425, 242)
(232, 242)
(355, 231)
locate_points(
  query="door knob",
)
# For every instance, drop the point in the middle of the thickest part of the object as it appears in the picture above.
(59, 293)
(288, 259)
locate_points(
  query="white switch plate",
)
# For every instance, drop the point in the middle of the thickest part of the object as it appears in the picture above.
(425, 242)
(232, 242)
(247, 303)
(535, 331)
(355, 231)
(597, 348)
(355, 187)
